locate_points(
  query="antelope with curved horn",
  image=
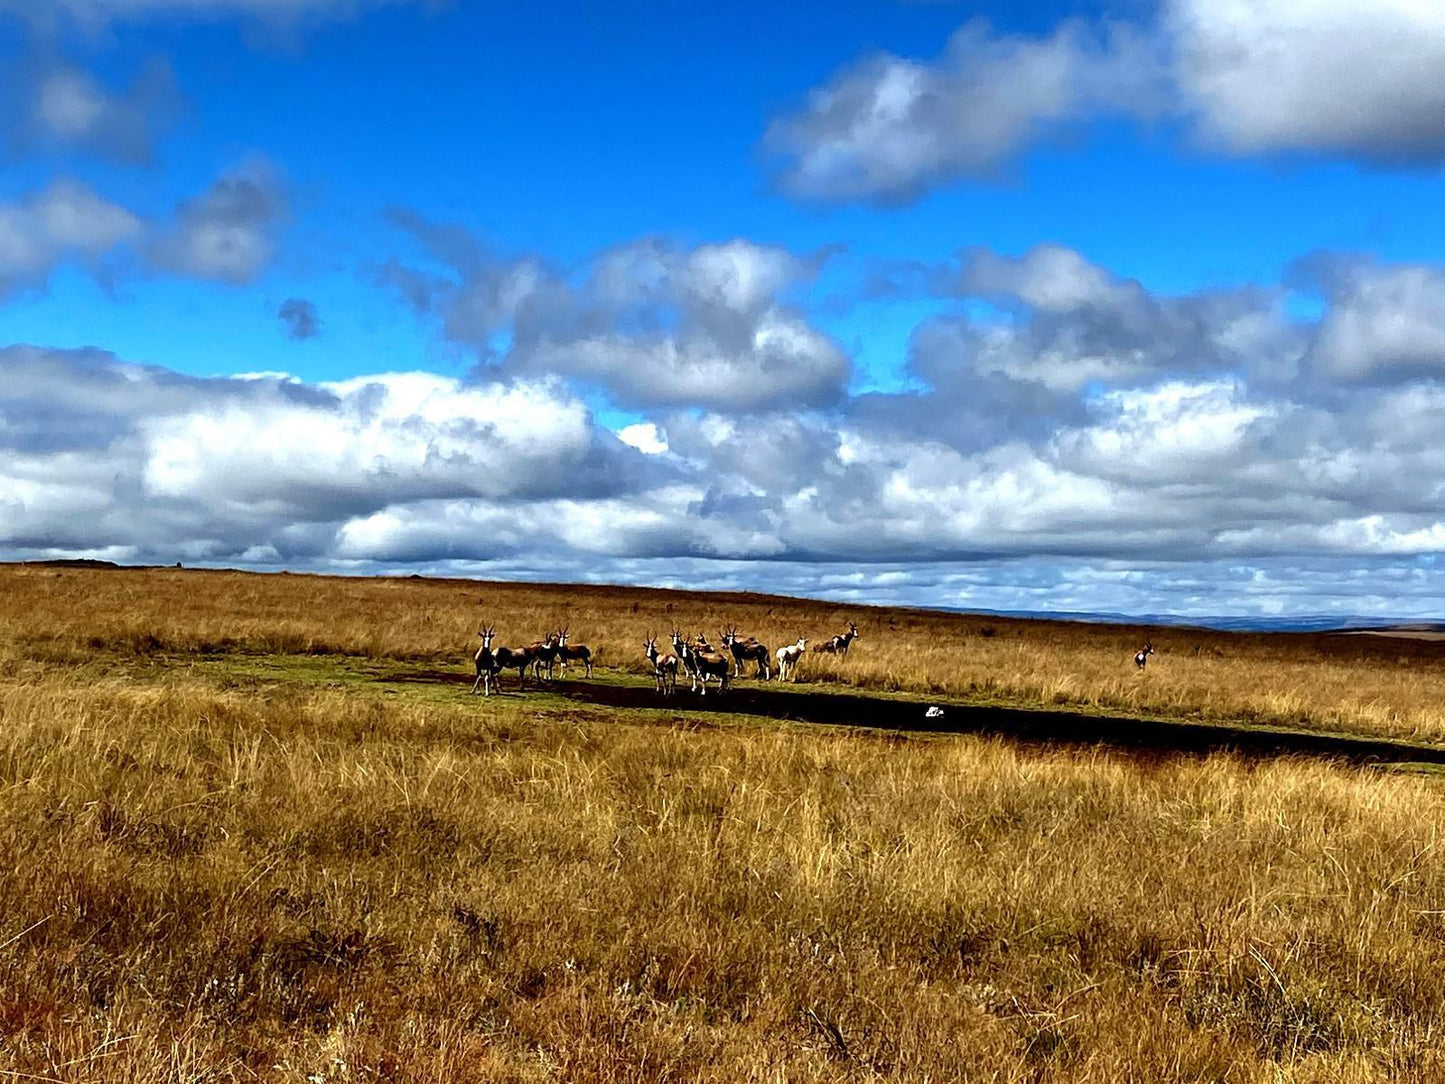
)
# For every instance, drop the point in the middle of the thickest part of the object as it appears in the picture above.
(788, 659)
(664, 667)
(573, 653)
(546, 651)
(747, 650)
(487, 665)
(1142, 656)
(702, 662)
(838, 645)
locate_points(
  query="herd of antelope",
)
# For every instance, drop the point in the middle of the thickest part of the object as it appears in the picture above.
(692, 656)
(544, 654)
(695, 657)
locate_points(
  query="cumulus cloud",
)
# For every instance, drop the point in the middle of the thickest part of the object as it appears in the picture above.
(228, 232)
(1087, 423)
(98, 453)
(1244, 76)
(655, 325)
(300, 318)
(888, 128)
(1382, 322)
(1361, 78)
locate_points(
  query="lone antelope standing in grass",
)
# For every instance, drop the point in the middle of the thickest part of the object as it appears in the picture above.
(487, 665)
(1142, 657)
(748, 650)
(573, 653)
(664, 667)
(838, 645)
(788, 659)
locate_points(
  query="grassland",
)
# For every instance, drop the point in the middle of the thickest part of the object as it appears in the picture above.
(227, 855)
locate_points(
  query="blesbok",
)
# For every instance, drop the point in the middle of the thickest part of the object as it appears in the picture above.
(1142, 657)
(838, 645)
(748, 650)
(702, 662)
(514, 658)
(487, 665)
(664, 667)
(546, 653)
(573, 653)
(788, 659)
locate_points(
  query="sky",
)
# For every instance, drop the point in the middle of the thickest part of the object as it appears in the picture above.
(1124, 306)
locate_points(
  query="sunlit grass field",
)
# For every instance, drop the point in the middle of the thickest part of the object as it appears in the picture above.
(1356, 684)
(222, 860)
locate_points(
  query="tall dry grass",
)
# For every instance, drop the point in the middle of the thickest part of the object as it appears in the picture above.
(310, 885)
(1362, 684)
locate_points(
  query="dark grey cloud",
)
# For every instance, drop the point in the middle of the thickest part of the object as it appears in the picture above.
(1244, 78)
(300, 318)
(227, 233)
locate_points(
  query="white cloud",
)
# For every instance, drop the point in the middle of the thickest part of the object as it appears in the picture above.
(645, 437)
(1359, 79)
(889, 128)
(654, 324)
(1097, 422)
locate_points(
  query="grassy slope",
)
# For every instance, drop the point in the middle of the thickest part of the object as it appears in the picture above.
(242, 860)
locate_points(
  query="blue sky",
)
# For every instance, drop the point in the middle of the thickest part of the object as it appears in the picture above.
(1008, 298)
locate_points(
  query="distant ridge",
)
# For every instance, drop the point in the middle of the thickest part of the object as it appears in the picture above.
(1296, 623)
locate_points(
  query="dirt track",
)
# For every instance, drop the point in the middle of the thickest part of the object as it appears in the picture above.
(1033, 726)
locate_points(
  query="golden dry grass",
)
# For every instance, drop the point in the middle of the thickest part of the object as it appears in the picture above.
(205, 878)
(1362, 684)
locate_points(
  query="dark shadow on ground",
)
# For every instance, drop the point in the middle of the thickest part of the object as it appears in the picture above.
(1156, 736)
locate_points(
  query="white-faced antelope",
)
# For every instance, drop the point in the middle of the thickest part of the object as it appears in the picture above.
(573, 653)
(788, 659)
(1141, 657)
(664, 667)
(545, 653)
(748, 650)
(685, 656)
(702, 662)
(838, 645)
(487, 665)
